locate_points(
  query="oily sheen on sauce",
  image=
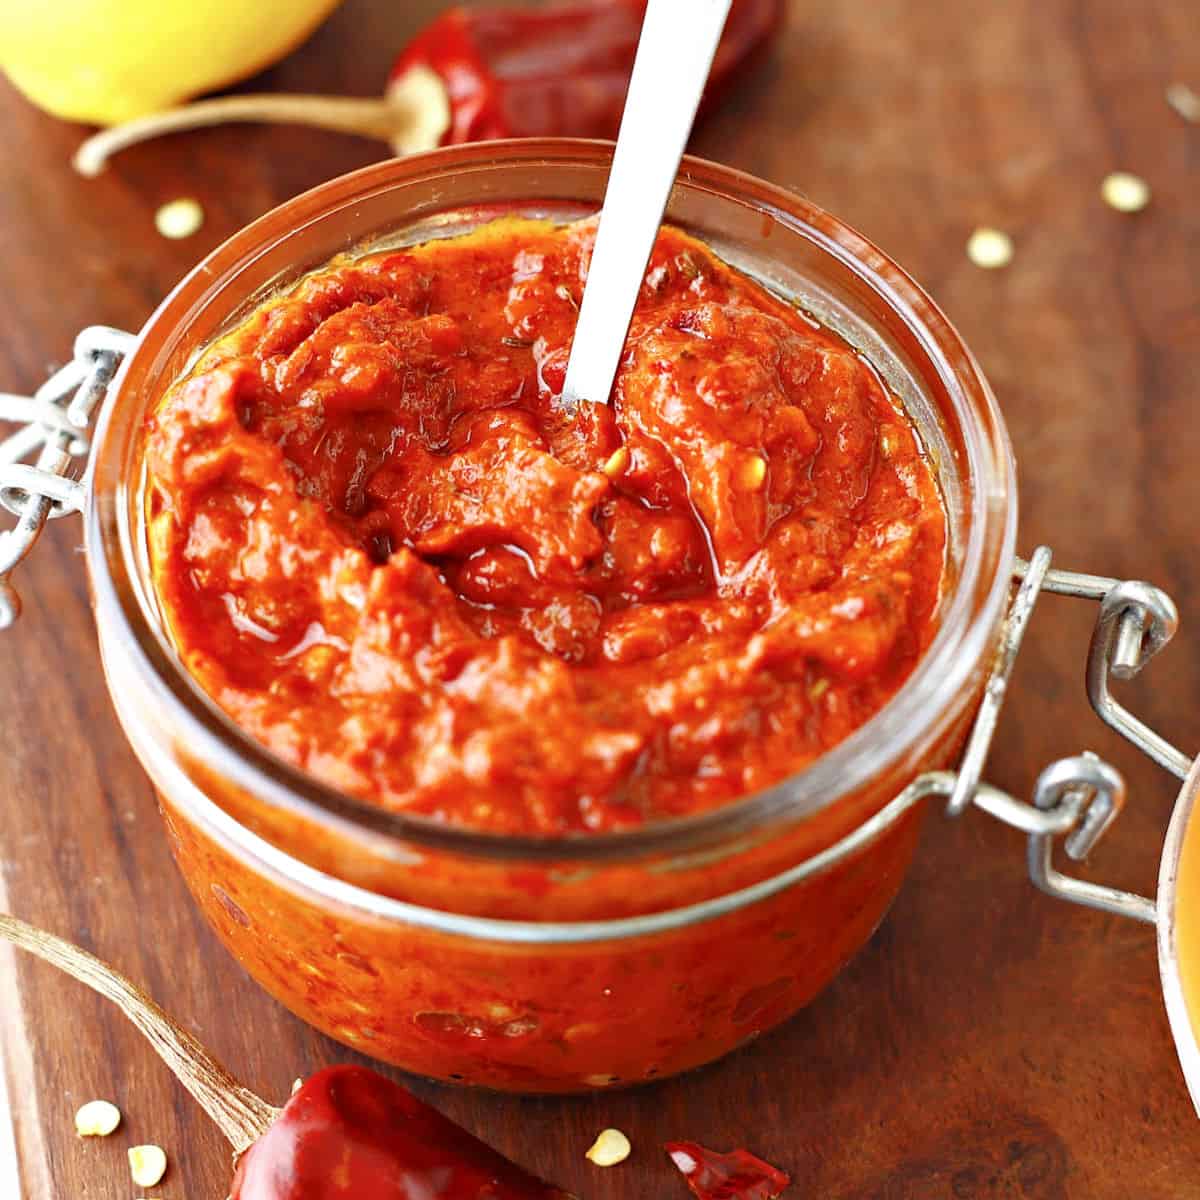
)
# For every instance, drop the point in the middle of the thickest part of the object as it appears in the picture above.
(388, 552)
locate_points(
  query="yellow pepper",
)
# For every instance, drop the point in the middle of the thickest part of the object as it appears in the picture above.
(105, 61)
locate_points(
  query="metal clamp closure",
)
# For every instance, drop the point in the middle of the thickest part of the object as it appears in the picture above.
(1075, 798)
(54, 423)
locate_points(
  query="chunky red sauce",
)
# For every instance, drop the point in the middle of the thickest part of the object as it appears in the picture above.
(350, 1134)
(386, 550)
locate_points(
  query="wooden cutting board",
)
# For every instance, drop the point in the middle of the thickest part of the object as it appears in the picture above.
(989, 1042)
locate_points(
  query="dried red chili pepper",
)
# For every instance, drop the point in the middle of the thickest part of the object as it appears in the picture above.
(350, 1134)
(562, 70)
(738, 1175)
(477, 73)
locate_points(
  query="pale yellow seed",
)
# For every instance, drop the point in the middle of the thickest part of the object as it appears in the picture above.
(147, 1165)
(1184, 101)
(179, 219)
(1125, 192)
(297, 1085)
(586, 1029)
(818, 689)
(610, 1148)
(990, 248)
(97, 1118)
(617, 463)
(318, 658)
(754, 471)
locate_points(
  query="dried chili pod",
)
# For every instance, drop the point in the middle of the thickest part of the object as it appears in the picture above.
(477, 73)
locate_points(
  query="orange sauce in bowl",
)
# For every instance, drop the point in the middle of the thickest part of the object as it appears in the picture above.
(1187, 922)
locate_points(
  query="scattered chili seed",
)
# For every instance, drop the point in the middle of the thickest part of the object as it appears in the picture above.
(564, 293)
(179, 219)
(97, 1118)
(990, 248)
(147, 1165)
(609, 1148)
(617, 462)
(1184, 101)
(818, 689)
(1125, 192)
(753, 473)
(889, 444)
(297, 1085)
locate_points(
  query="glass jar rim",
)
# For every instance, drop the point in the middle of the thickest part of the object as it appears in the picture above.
(969, 619)
(1184, 1021)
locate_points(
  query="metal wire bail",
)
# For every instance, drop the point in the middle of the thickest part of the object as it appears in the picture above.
(1075, 798)
(53, 424)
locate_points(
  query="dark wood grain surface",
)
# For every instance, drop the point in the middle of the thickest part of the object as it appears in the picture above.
(989, 1042)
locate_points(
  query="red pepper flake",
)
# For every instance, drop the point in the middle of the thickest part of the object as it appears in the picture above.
(737, 1175)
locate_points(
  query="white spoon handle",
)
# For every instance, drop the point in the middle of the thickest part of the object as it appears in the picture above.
(675, 53)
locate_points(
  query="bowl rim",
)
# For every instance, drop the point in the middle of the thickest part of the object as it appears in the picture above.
(971, 616)
(1170, 969)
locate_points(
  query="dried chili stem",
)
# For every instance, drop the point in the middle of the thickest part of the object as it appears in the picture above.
(412, 116)
(240, 1115)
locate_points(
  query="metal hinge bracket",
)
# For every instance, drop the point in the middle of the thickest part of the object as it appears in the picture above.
(53, 424)
(1074, 798)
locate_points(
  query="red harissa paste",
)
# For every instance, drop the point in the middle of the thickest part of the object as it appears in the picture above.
(389, 553)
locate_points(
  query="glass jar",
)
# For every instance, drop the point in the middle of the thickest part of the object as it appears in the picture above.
(549, 965)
